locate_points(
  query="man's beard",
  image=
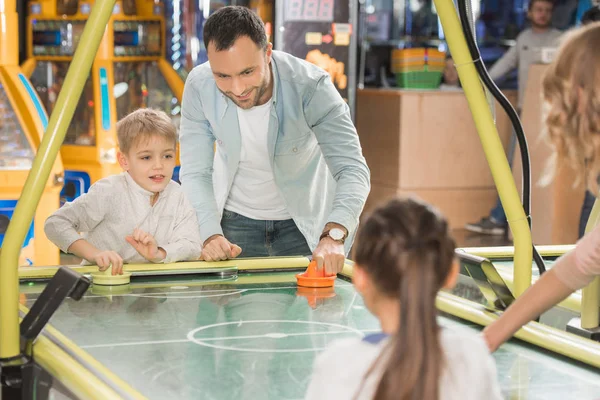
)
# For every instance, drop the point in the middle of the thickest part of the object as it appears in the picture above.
(259, 92)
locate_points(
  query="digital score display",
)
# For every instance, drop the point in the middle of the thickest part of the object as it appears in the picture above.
(137, 38)
(46, 38)
(309, 10)
(125, 38)
(55, 37)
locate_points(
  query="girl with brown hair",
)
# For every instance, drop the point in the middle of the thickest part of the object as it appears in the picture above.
(571, 89)
(404, 255)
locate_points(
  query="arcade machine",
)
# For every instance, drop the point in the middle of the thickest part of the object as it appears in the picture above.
(324, 33)
(129, 72)
(141, 70)
(22, 124)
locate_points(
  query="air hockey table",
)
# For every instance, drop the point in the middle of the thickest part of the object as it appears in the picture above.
(240, 329)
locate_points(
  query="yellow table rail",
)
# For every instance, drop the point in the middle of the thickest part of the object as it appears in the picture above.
(508, 252)
(249, 264)
(558, 341)
(79, 372)
(561, 342)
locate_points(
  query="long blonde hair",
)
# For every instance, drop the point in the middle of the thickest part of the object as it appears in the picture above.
(571, 87)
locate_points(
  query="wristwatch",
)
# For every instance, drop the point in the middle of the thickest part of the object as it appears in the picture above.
(336, 234)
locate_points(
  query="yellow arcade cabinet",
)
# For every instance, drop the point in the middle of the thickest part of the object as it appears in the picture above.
(22, 124)
(142, 75)
(129, 72)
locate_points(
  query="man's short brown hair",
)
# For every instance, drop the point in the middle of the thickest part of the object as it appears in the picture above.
(144, 122)
(532, 2)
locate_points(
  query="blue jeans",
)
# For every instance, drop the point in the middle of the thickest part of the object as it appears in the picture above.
(259, 238)
(497, 213)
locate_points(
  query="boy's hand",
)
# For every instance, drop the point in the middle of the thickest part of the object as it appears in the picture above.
(104, 259)
(217, 248)
(145, 244)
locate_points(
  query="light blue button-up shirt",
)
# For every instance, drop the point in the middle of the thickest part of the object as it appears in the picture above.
(313, 147)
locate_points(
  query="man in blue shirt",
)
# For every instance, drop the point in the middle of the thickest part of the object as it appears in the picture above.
(270, 158)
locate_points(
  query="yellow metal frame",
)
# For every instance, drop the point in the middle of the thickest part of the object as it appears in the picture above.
(99, 160)
(41, 250)
(40, 172)
(590, 300)
(510, 200)
(76, 369)
(28, 67)
(492, 146)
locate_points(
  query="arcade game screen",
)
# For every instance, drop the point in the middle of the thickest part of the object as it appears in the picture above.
(56, 37)
(15, 149)
(141, 84)
(48, 79)
(137, 38)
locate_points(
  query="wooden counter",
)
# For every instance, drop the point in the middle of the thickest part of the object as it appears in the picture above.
(425, 143)
(556, 208)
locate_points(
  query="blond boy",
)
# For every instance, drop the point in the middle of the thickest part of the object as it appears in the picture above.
(140, 215)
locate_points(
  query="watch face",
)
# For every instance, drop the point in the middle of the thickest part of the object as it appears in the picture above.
(336, 234)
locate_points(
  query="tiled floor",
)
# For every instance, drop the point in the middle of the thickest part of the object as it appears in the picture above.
(467, 239)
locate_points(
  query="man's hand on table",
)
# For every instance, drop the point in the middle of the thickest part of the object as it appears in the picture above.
(217, 248)
(330, 253)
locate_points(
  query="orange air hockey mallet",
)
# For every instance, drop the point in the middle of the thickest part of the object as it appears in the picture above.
(314, 285)
(312, 278)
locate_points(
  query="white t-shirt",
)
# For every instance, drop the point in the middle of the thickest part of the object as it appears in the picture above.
(254, 193)
(470, 374)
